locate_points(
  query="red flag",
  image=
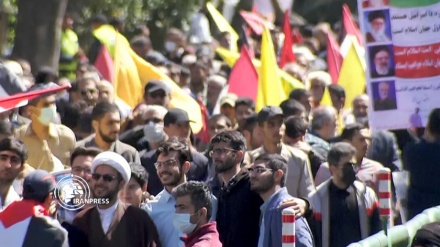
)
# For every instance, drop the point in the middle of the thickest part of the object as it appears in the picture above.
(203, 135)
(256, 22)
(287, 55)
(334, 58)
(297, 38)
(21, 99)
(104, 64)
(349, 25)
(243, 80)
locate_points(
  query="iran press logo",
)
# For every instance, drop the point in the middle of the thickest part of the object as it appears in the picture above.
(73, 193)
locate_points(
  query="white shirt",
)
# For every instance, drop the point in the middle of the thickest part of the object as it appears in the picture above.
(11, 196)
(106, 216)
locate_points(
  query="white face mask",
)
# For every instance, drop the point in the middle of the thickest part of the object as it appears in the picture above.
(154, 132)
(182, 222)
(48, 115)
(170, 46)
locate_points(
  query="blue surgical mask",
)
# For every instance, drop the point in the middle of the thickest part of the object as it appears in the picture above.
(48, 115)
(183, 223)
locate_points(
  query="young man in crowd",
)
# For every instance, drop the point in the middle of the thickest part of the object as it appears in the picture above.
(299, 178)
(268, 177)
(344, 210)
(238, 215)
(112, 222)
(173, 163)
(106, 121)
(13, 155)
(135, 191)
(193, 211)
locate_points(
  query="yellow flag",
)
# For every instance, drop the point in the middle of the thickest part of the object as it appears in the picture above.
(179, 99)
(223, 24)
(289, 83)
(352, 76)
(270, 90)
(127, 84)
(326, 98)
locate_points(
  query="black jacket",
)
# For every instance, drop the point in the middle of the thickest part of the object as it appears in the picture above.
(238, 215)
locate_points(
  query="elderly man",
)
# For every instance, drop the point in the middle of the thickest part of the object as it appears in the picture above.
(385, 102)
(107, 93)
(377, 20)
(114, 223)
(216, 84)
(318, 81)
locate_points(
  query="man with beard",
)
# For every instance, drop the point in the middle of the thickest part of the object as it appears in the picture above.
(112, 222)
(359, 111)
(344, 210)
(173, 162)
(106, 121)
(376, 19)
(13, 154)
(268, 177)
(382, 62)
(238, 215)
(299, 177)
(384, 102)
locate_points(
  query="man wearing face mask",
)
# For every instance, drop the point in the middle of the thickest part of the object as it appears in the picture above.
(49, 144)
(175, 45)
(193, 211)
(345, 210)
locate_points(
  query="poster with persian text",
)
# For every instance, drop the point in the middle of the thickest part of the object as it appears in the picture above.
(402, 44)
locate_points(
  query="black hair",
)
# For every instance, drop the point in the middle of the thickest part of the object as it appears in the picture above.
(350, 130)
(295, 126)
(379, 48)
(292, 107)
(82, 151)
(376, 15)
(245, 101)
(433, 124)
(139, 173)
(200, 194)
(16, 146)
(274, 162)
(179, 145)
(297, 94)
(103, 108)
(234, 138)
(338, 151)
(337, 90)
(250, 122)
(219, 117)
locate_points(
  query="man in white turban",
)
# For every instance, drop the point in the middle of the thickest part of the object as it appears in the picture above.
(112, 222)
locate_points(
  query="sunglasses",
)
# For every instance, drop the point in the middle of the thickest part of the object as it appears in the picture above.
(107, 178)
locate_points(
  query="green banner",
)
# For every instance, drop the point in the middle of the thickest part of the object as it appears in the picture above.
(412, 3)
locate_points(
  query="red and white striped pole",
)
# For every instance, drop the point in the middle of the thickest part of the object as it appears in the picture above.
(384, 189)
(288, 219)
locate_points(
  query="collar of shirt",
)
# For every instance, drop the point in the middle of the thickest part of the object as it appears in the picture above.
(267, 202)
(107, 215)
(112, 147)
(11, 196)
(52, 131)
(165, 197)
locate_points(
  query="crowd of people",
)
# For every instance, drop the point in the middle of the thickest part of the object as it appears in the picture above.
(160, 184)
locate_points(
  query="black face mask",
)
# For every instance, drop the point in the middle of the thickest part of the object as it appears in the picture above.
(348, 175)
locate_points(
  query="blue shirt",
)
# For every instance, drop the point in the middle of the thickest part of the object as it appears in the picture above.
(161, 211)
(263, 210)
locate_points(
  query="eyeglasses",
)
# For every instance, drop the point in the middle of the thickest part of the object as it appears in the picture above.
(166, 164)
(14, 160)
(80, 169)
(106, 177)
(259, 170)
(221, 151)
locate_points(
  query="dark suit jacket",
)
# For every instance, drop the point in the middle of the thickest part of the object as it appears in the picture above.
(386, 104)
(130, 227)
(127, 151)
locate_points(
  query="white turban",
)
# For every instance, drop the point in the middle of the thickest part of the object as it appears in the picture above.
(114, 160)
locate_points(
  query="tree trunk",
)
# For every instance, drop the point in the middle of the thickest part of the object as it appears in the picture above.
(38, 32)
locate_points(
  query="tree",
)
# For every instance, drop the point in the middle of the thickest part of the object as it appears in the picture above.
(38, 32)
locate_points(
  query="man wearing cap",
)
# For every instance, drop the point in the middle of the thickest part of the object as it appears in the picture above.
(299, 181)
(49, 144)
(27, 223)
(227, 108)
(112, 222)
(157, 93)
(106, 121)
